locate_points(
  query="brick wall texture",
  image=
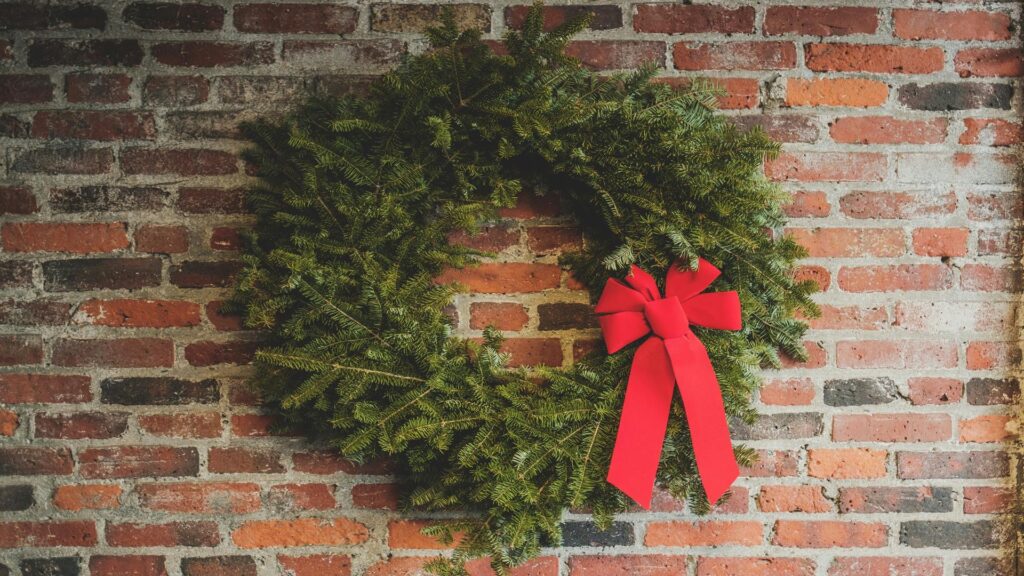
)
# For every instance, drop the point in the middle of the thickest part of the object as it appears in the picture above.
(129, 444)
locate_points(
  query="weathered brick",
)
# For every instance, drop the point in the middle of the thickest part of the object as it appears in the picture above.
(948, 535)
(990, 391)
(908, 500)
(860, 391)
(934, 390)
(161, 239)
(79, 238)
(93, 125)
(107, 199)
(690, 19)
(828, 166)
(191, 425)
(734, 56)
(505, 278)
(241, 460)
(829, 534)
(188, 17)
(879, 565)
(565, 316)
(78, 497)
(938, 465)
(897, 278)
(64, 159)
(949, 96)
(295, 18)
(627, 565)
(160, 391)
(187, 534)
(986, 499)
(78, 425)
(704, 533)
(41, 312)
(124, 565)
(47, 534)
(16, 497)
(960, 25)
(105, 52)
(56, 566)
(198, 498)
(880, 58)
(25, 89)
(887, 130)
(138, 462)
(354, 54)
(850, 242)
(316, 565)
(17, 200)
(787, 425)
(114, 353)
(602, 17)
(181, 161)
(774, 566)
(417, 17)
(807, 499)
(56, 16)
(17, 349)
(617, 54)
(845, 463)
(97, 88)
(910, 427)
(204, 274)
(783, 127)
(820, 21)
(219, 566)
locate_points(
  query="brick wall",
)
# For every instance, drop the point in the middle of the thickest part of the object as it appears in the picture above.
(129, 444)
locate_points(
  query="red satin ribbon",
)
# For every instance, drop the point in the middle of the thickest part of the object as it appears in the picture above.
(672, 355)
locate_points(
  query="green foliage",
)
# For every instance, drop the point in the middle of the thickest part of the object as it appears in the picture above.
(359, 198)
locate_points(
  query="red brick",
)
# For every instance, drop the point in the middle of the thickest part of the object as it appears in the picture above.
(850, 242)
(127, 566)
(501, 315)
(17, 200)
(941, 241)
(899, 205)
(209, 54)
(829, 534)
(119, 353)
(182, 161)
(225, 238)
(295, 18)
(791, 392)
(78, 425)
(902, 277)
(98, 88)
(318, 565)
(221, 319)
(176, 91)
(330, 462)
(990, 355)
(208, 353)
(252, 425)
(244, 460)
(692, 19)
(617, 54)
(301, 532)
(806, 499)
(138, 313)
(192, 425)
(986, 499)
(35, 461)
(881, 566)
(303, 496)
(199, 498)
(25, 89)
(529, 205)
(47, 534)
(879, 58)
(541, 239)
(533, 351)
(960, 25)
(991, 132)
(93, 125)
(772, 463)
(848, 92)
(138, 462)
(828, 167)
(627, 565)
(189, 534)
(891, 427)
(505, 278)
(43, 388)
(601, 17)
(887, 130)
(844, 463)
(808, 205)
(722, 566)
(78, 238)
(816, 274)
(704, 533)
(934, 390)
(820, 21)
(734, 56)
(989, 62)
(851, 318)
(185, 16)
(376, 496)
(77, 497)
(17, 349)
(156, 239)
(739, 93)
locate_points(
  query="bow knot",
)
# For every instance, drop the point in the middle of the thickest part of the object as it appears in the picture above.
(671, 357)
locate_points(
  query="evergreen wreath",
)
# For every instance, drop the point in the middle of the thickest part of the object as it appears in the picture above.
(358, 198)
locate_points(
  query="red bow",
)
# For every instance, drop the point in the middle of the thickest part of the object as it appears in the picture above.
(673, 354)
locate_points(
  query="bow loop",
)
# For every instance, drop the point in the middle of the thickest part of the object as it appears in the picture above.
(684, 283)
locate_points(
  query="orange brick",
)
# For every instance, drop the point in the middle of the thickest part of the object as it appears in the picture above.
(891, 427)
(77, 497)
(408, 534)
(887, 130)
(807, 499)
(959, 25)
(850, 242)
(505, 278)
(873, 58)
(301, 532)
(849, 92)
(987, 428)
(941, 241)
(829, 534)
(722, 566)
(844, 463)
(705, 533)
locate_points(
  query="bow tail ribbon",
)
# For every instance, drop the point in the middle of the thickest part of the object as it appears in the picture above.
(658, 366)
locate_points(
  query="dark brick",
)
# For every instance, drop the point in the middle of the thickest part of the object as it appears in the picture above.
(207, 353)
(991, 391)
(907, 500)
(40, 16)
(101, 273)
(782, 127)
(159, 391)
(17, 200)
(794, 425)
(939, 465)
(295, 18)
(946, 96)
(18, 349)
(566, 316)
(176, 91)
(13, 127)
(107, 199)
(84, 53)
(860, 391)
(42, 312)
(208, 124)
(16, 498)
(245, 460)
(78, 425)
(70, 159)
(200, 274)
(601, 17)
(25, 88)
(211, 200)
(209, 54)
(138, 462)
(186, 17)
(180, 161)
(948, 535)
(984, 566)
(417, 17)
(93, 125)
(61, 566)
(261, 89)
(32, 461)
(219, 566)
(98, 88)
(15, 274)
(588, 534)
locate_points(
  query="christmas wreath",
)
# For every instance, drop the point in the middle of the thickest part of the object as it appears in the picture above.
(358, 200)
